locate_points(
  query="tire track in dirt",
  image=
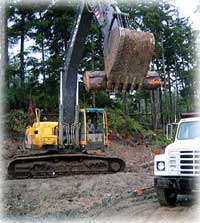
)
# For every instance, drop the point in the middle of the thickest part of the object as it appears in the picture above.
(91, 198)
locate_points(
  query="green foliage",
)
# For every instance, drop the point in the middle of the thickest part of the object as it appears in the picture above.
(128, 127)
(123, 125)
(156, 138)
(17, 120)
(102, 99)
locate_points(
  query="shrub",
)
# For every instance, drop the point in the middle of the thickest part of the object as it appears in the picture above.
(123, 125)
(17, 120)
(127, 126)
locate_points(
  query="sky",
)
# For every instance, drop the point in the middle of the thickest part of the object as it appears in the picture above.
(187, 8)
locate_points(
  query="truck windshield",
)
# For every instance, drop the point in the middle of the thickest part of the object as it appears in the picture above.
(189, 130)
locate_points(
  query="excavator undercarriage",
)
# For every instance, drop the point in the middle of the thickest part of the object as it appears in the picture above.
(55, 165)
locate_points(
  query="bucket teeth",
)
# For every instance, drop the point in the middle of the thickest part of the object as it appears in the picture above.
(127, 57)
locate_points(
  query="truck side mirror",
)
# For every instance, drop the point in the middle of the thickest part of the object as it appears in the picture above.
(169, 131)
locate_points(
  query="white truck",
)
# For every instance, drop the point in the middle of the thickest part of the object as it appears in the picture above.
(177, 171)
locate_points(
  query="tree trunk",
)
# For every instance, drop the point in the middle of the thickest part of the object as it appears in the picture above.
(176, 103)
(125, 109)
(146, 107)
(43, 71)
(187, 99)
(161, 108)
(165, 85)
(170, 97)
(93, 67)
(160, 101)
(93, 99)
(6, 59)
(44, 77)
(154, 109)
(22, 78)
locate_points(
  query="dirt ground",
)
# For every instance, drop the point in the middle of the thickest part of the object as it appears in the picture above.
(93, 198)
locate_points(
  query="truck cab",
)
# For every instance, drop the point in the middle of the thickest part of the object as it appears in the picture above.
(177, 171)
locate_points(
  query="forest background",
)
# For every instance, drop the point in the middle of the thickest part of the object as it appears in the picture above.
(42, 31)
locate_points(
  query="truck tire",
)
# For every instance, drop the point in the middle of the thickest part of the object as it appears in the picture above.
(166, 197)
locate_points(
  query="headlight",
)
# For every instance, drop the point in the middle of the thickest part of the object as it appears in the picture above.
(161, 165)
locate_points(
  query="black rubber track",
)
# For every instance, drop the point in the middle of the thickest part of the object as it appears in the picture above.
(55, 165)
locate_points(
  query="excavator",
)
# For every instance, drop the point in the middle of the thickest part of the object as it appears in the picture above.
(64, 144)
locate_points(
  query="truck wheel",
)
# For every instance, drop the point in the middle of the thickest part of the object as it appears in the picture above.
(166, 197)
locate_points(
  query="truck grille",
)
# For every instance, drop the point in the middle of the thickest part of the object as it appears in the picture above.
(190, 162)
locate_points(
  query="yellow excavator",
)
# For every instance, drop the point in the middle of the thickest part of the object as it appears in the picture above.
(42, 135)
(127, 55)
(52, 161)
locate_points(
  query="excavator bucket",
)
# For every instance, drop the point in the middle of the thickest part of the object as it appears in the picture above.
(127, 57)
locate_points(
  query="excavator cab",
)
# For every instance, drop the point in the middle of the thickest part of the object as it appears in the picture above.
(93, 129)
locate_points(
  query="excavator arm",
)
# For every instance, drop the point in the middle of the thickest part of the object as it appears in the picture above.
(127, 55)
(73, 58)
(127, 52)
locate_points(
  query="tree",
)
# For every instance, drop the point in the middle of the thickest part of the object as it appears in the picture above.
(49, 27)
(174, 50)
(21, 18)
